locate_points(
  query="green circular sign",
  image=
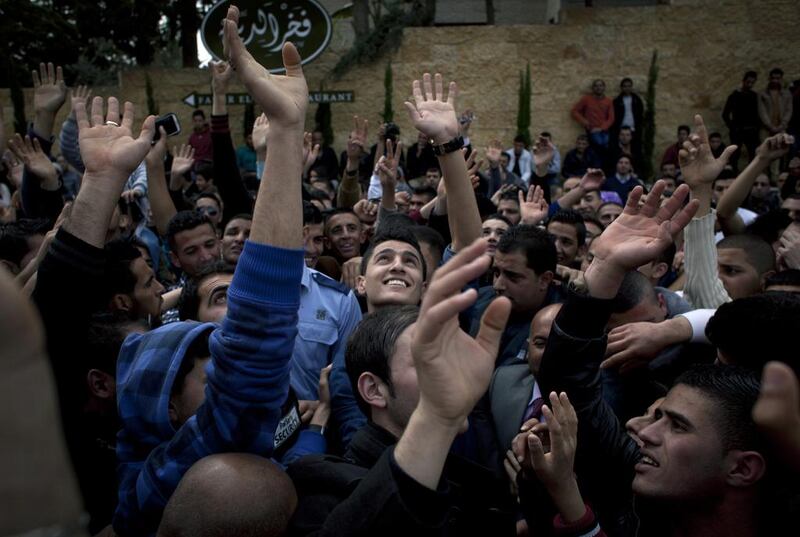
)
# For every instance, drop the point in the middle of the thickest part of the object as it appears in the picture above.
(265, 26)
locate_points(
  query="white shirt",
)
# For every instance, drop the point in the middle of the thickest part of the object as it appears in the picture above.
(627, 117)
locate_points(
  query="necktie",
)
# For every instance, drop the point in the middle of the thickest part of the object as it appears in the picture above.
(534, 410)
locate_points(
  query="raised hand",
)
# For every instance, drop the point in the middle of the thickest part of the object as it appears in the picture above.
(283, 99)
(640, 234)
(543, 152)
(80, 94)
(158, 151)
(698, 165)
(431, 113)
(775, 147)
(260, 131)
(30, 153)
(556, 466)
(358, 139)
(493, 152)
(310, 151)
(453, 369)
(49, 90)
(182, 159)
(533, 208)
(221, 75)
(108, 149)
(387, 165)
(366, 210)
(593, 179)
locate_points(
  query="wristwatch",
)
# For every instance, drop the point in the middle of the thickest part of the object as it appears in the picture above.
(317, 428)
(448, 147)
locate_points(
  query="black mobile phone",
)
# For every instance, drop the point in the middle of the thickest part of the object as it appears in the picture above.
(170, 123)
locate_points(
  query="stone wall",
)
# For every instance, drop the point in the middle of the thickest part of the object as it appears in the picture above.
(704, 47)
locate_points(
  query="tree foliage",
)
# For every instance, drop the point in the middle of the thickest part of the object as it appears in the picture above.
(524, 105)
(388, 88)
(649, 119)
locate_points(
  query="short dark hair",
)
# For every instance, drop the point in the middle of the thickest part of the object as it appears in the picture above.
(372, 345)
(770, 225)
(425, 191)
(198, 113)
(118, 277)
(635, 289)
(536, 244)
(184, 220)
(319, 195)
(545, 134)
(335, 212)
(311, 214)
(386, 233)
(626, 79)
(106, 333)
(582, 137)
(784, 277)
(734, 391)
(573, 218)
(684, 128)
(750, 74)
(776, 71)
(204, 168)
(625, 128)
(759, 252)
(511, 194)
(667, 255)
(189, 300)
(715, 135)
(431, 237)
(751, 331)
(13, 243)
(498, 216)
(519, 139)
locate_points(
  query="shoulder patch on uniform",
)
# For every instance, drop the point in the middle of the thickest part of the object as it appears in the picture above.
(330, 283)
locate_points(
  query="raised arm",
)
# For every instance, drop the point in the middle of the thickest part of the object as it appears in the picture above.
(703, 287)
(772, 148)
(226, 170)
(453, 369)
(593, 179)
(349, 188)
(435, 116)
(49, 94)
(160, 202)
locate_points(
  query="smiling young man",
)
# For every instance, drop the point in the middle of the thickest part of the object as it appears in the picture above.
(569, 234)
(344, 234)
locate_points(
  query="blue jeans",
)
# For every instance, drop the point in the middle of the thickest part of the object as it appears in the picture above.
(598, 139)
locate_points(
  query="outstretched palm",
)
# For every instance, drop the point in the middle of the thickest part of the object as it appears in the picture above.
(639, 234)
(453, 369)
(283, 99)
(49, 92)
(432, 114)
(107, 149)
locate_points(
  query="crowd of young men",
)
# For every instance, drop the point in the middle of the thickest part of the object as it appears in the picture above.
(453, 350)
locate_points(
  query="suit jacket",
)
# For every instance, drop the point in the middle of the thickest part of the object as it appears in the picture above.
(509, 392)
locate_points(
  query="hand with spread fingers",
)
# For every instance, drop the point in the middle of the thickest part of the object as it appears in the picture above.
(283, 98)
(593, 179)
(533, 208)
(432, 113)
(543, 152)
(453, 369)
(639, 234)
(36, 162)
(49, 90)
(108, 148)
(552, 458)
(77, 95)
(182, 160)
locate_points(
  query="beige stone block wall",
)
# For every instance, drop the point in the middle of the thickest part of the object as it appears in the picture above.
(704, 48)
